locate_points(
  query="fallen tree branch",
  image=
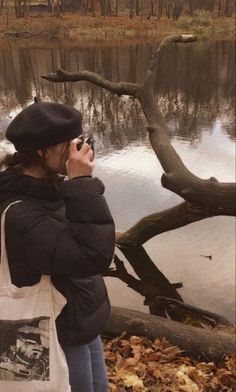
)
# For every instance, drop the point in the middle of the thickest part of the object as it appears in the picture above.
(204, 198)
(213, 197)
(121, 273)
(153, 279)
(161, 222)
(183, 310)
(162, 305)
(154, 282)
(153, 66)
(118, 88)
(197, 342)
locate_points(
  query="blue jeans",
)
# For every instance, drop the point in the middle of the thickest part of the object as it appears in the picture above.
(87, 370)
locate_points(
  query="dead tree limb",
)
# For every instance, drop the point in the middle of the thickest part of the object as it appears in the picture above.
(208, 194)
(184, 310)
(154, 282)
(151, 283)
(197, 342)
(153, 66)
(161, 222)
(117, 88)
(121, 273)
(203, 197)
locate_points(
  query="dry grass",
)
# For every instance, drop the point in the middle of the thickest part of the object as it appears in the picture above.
(82, 29)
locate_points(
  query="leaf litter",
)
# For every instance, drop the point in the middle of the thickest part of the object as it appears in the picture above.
(138, 364)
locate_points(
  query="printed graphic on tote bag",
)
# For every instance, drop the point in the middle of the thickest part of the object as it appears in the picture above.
(24, 349)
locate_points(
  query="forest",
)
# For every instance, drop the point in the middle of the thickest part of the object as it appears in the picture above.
(172, 9)
(129, 94)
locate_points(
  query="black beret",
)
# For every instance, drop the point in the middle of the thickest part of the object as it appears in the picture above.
(42, 125)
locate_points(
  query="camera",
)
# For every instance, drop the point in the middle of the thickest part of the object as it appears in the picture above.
(89, 140)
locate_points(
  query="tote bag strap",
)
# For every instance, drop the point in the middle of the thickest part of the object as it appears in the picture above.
(5, 277)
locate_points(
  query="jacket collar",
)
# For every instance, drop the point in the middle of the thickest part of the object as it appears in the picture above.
(14, 184)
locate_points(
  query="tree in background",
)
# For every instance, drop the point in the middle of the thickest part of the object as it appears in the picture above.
(172, 9)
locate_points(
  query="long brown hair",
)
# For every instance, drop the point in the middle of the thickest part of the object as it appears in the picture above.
(21, 161)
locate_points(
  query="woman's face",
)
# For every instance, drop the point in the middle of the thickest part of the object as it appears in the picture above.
(56, 156)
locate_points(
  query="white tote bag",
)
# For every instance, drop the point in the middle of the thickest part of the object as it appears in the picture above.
(31, 359)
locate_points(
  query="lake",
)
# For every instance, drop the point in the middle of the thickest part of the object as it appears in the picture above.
(195, 89)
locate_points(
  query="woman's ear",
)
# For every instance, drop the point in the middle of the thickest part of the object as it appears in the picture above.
(40, 153)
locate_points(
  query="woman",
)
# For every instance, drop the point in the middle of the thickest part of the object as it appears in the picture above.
(62, 228)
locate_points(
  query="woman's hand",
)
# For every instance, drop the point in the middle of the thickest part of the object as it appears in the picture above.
(79, 163)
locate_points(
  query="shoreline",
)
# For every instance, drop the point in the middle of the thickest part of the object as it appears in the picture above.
(74, 30)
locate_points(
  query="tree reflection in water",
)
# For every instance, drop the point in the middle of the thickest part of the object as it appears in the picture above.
(195, 87)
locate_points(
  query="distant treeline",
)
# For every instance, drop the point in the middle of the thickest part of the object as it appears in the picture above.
(194, 89)
(171, 9)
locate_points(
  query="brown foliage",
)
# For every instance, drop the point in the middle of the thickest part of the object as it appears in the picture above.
(84, 29)
(137, 364)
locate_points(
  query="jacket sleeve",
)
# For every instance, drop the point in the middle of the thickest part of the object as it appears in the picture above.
(79, 246)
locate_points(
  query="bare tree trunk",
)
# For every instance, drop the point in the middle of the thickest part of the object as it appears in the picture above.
(169, 9)
(190, 7)
(153, 8)
(131, 8)
(228, 11)
(219, 8)
(49, 5)
(161, 222)
(177, 8)
(116, 7)
(142, 10)
(109, 8)
(7, 5)
(58, 8)
(103, 7)
(196, 342)
(24, 10)
(62, 6)
(18, 8)
(1, 6)
(84, 7)
(158, 9)
(161, 8)
(93, 8)
(29, 6)
(154, 283)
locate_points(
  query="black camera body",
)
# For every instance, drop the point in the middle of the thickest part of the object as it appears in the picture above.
(89, 140)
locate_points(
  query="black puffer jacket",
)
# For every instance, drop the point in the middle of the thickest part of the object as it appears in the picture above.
(68, 234)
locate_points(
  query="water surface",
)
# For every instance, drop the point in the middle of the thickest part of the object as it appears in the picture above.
(195, 89)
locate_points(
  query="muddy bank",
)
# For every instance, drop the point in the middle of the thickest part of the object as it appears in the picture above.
(83, 29)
